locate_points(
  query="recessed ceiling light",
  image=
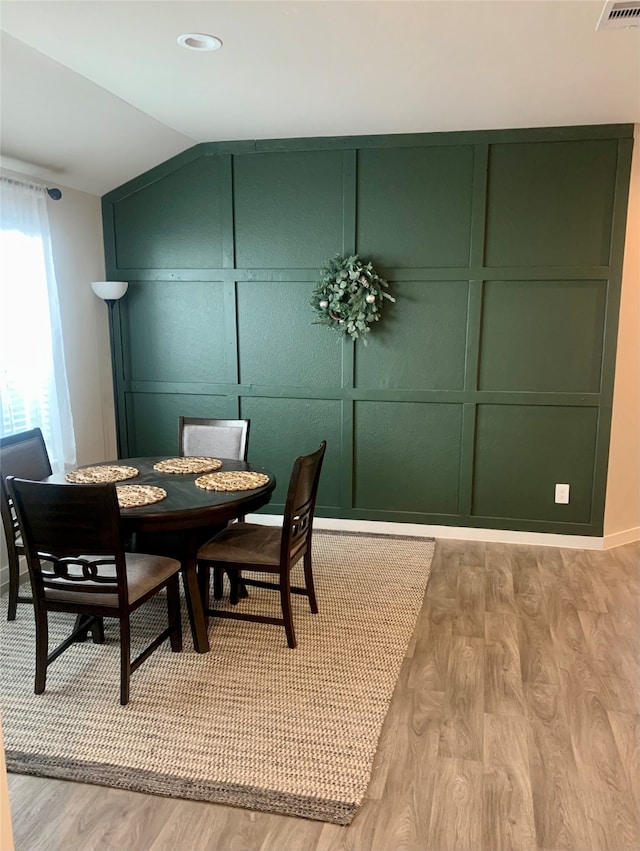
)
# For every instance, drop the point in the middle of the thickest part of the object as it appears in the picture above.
(199, 41)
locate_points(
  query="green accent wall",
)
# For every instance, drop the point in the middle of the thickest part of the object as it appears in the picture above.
(488, 381)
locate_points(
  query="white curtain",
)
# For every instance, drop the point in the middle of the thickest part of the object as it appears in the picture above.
(33, 381)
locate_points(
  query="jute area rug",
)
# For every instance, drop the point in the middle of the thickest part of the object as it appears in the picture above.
(252, 723)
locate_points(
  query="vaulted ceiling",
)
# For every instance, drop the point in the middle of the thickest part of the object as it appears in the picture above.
(94, 93)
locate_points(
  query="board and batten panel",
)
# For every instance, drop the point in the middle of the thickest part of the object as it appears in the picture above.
(414, 205)
(175, 331)
(152, 418)
(430, 317)
(278, 343)
(551, 203)
(407, 456)
(542, 335)
(175, 222)
(288, 208)
(523, 451)
(284, 428)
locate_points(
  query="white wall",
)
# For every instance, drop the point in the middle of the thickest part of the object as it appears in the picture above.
(622, 509)
(78, 253)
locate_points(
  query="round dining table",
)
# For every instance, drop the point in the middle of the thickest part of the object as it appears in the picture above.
(185, 519)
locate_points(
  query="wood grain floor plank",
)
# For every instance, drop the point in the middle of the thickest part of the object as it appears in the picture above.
(556, 791)
(115, 818)
(472, 552)
(462, 730)
(443, 579)
(392, 736)
(499, 593)
(582, 582)
(564, 622)
(611, 820)
(503, 694)
(42, 811)
(192, 826)
(619, 695)
(527, 581)
(456, 814)
(626, 731)
(507, 803)
(404, 821)
(433, 645)
(609, 806)
(537, 653)
(613, 648)
(624, 603)
(626, 572)
(286, 832)
(470, 600)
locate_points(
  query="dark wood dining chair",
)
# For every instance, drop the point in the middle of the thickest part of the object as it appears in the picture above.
(24, 455)
(77, 564)
(218, 439)
(269, 549)
(214, 438)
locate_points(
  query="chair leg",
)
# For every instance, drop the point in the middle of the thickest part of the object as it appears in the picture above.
(173, 614)
(238, 588)
(218, 579)
(125, 659)
(242, 588)
(14, 584)
(308, 576)
(97, 631)
(204, 585)
(234, 582)
(285, 602)
(42, 650)
(92, 625)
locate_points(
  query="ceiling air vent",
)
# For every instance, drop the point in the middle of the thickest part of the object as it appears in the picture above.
(619, 15)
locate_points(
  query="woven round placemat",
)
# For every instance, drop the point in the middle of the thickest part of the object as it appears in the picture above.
(192, 464)
(104, 473)
(234, 480)
(133, 496)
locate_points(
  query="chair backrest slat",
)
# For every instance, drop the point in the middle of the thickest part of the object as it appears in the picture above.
(73, 574)
(299, 509)
(25, 456)
(214, 437)
(71, 536)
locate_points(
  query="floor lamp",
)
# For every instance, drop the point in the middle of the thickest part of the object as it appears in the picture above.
(111, 291)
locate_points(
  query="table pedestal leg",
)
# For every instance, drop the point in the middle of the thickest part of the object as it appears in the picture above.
(192, 594)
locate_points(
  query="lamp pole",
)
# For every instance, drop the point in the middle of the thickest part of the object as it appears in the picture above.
(111, 292)
(114, 373)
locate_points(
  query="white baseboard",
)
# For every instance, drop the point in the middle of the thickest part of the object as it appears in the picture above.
(458, 533)
(629, 536)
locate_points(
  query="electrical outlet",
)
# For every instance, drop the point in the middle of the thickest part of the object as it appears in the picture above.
(562, 494)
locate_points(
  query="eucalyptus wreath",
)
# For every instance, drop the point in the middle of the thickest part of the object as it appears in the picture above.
(349, 296)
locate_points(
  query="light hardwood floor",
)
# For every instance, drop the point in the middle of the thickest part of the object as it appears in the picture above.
(515, 724)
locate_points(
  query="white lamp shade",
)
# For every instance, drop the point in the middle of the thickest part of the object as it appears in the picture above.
(109, 290)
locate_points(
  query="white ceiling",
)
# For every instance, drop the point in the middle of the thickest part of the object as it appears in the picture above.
(94, 93)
